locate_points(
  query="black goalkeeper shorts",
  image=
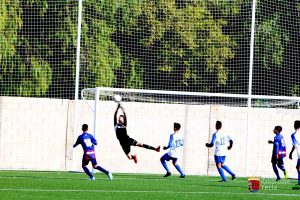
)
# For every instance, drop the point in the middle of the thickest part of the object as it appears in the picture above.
(126, 143)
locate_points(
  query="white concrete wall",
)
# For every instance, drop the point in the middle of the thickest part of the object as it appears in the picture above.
(37, 134)
(32, 133)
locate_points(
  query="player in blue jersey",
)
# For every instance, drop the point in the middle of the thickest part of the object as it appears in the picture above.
(296, 145)
(87, 141)
(279, 152)
(125, 141)
(221, 140)
(175, 144)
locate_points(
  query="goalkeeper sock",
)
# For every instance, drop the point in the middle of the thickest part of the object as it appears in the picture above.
(102, 169)
(148, 147)
(87, 171)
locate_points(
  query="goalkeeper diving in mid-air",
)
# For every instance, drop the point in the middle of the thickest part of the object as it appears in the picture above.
(125, 141)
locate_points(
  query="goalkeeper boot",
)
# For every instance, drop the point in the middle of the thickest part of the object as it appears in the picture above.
(92, 178)
(135, 159)
(157, 149)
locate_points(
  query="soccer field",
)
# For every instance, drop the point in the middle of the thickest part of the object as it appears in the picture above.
(64, 185)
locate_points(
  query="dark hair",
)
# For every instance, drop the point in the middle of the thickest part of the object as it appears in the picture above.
(177, 126)
(218, 125)
(278, 128)
(297, 124)
(84, 127)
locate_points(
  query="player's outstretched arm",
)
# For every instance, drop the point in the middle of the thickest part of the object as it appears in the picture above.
(125, 118)
(209, 145)
(230, 144)
(76, 143)
(291, 153)
(213, 139)
(115, 115)
(170, 142)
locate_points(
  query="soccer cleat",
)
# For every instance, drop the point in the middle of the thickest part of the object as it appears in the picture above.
(278, 179)
(167, 174)
(110, 176)
(157, 149)
(182, 176)
(135, 159)
(296, 187)
(92, 178)
(233, 177)
(286, 175)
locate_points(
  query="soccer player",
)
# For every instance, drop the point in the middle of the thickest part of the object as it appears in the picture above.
(296, 145)
(87, 142)
(125, 141)
(220, 140)
(279, 152)
(175, 144)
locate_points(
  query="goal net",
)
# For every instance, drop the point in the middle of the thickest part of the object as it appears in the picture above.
(151, 114)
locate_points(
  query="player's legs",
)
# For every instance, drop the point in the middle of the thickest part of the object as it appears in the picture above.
(85, 162)
(280, 165)
(274, 161)
(127, 150)
(110, 176)
(226, 168)
(298, 170)
(219, 160)
(163, 160)
(146, 146)
(297, 187)
(96, 166)
(177, 166)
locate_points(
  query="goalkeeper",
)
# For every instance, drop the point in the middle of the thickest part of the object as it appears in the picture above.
(126, 141)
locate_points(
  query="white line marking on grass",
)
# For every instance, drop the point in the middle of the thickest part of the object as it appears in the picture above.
(146, 191)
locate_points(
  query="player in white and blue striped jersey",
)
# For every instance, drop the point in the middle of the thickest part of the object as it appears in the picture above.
(296, 145)
(221, 140)
(175, 145)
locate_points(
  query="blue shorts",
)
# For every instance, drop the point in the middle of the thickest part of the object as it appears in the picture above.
(168, 158)
(87, 158)
(220, 159)
(298, 163)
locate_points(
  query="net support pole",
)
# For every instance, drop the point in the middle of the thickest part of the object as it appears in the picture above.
(77, 77)
(97, 95)
(249, 117)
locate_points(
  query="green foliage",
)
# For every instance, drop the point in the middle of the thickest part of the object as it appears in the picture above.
(272, 42)
(198, 45)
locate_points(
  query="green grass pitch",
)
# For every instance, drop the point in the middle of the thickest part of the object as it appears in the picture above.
(66, 185)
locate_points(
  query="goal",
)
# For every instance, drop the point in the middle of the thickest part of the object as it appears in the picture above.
(151, 114)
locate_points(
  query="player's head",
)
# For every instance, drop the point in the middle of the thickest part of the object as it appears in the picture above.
(177, 126)
(121, 119)
(85, 127)
(297, 124)
(218, 125)
(277, 129)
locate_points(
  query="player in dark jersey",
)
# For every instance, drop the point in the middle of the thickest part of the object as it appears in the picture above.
(125, 141)
(279, 152)
(87, 142)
